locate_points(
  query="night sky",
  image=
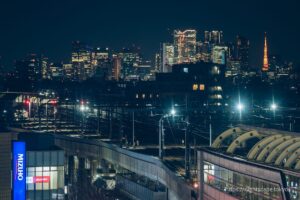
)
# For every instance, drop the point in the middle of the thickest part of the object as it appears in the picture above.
(49, 26)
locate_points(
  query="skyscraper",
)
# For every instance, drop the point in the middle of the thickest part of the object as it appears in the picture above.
(56, 71)
(185, 46)
(266, 59)
(116, 68)
(101, 63)
(167, 57)
(213, 37)
(131, 58)
(157, 62)
(68, 71)
(81, 61)
(219, 54)
(30, 68)
(45, 68)
(242, 46)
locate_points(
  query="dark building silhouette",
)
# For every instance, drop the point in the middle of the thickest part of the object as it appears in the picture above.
(242, 46)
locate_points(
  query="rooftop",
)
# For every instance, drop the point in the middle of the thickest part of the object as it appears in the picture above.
(266, 146)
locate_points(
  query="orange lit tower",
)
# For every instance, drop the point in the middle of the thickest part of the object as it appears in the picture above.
(266, 59)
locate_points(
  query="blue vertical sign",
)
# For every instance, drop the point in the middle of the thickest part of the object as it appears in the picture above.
(19, 170)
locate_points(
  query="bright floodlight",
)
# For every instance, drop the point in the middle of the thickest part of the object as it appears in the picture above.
(240, 106)
(173, 112)
(273, 106)
(82, 108)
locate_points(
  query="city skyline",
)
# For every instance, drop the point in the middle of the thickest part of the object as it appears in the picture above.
(121, 27)
(156, 100)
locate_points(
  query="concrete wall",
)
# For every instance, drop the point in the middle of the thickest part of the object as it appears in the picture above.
(139, 191)
(141, 164)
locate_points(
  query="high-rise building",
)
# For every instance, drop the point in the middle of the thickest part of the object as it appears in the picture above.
(213, 37)
(233, 68)
(116, 68)
(242, 46)
(45, 68)
(167, 57)
(185, 46)
(131, 58)
(204, 50)
(157, 62)
(101, 63)
(68, 71)
(30, 68)
(265, 59)
(81, 61)
(207, 36)
(57, 71)
(99, 57)
(2, 70)
(219, 54)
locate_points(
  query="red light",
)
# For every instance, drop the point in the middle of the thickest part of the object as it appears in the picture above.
(196, 185)
(27, 101)
(53, 102)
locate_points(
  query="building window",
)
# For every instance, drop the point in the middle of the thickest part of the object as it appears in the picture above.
(215, 70)
(186, 70)
(195, 87)
(137, 96)
(232, 182)
(201, 87)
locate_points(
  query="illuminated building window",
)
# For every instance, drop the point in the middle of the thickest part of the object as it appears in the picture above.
(216, 96)
(137, 96)
(186, 70)
(202, 87)
(143, 96)
(215, 70)
(195, 87)
(216, 88)
(150, 96)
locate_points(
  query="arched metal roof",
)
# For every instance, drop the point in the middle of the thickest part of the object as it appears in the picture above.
(257, 148)
(273, 147)
(261, 157)
(241, 139)
(230, 132)
(280, 148)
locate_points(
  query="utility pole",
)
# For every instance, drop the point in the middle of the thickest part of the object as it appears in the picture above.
(210, 131)
(133, 136)
(47, 116)
(39, 113)
(161, 138)
(187, 141)
(98, 120)
(187, 149)
(110, 123)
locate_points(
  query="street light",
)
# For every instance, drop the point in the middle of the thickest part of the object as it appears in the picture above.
(273, 106)
(172, 113)
(240, 107)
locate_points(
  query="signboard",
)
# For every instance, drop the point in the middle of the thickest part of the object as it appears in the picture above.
(38, 179)
(19, 170)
